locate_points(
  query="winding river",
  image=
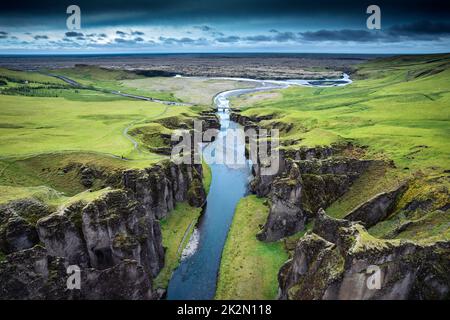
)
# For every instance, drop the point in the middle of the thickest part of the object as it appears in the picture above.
(196, 276)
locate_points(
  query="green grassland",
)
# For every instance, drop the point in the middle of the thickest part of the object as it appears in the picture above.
(397, 109)
(110, 79)
(46, 125)
(176, 231)
(249, 267)
(190, 90)
(34, 84)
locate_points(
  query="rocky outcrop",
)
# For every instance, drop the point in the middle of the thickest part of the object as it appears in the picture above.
(62, 235)
(116, 227)
(17, 219)
(158, 188)
(301, 187)
(339, 261)
(19, 235)
(34, 274)
(209, 119)
(377, 208)
(326, 227)
(115, 238)
(286, 215)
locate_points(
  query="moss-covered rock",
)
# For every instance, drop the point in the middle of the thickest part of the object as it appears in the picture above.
(336, 263)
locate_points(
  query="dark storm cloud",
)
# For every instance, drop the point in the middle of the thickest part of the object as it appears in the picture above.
(121, 40)
(137, 33)
(339, 35)
(73, 34)
(284, 36)
(133, 12)
(274, 37)
(258, 38)
(183, 41)
(40, 37)
(3, 35)
(421, 28)
(121, 33)
(229, 39)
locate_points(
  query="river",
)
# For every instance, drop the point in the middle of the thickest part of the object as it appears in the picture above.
(196, 276)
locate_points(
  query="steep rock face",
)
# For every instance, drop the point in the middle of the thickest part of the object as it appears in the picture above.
(17, 231)
(62, 238)
(34, 274)
(161, 186)
(19, 235)
(337, 264)
(115, 238)
(116, 227)
(286, 215)
(301, 187)
(326, 227)
(377, 208)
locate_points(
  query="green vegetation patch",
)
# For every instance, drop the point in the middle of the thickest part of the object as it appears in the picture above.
(249, 267)
(207, 176)
(176, 229)
(397, 110)
(112, 80)
(45, 125)
(398, 107)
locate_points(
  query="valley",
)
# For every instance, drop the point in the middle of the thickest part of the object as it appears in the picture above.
(86, 176)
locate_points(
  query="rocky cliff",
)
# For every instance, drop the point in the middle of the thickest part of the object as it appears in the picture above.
(340, 260)
(307, 180)
(114, 239)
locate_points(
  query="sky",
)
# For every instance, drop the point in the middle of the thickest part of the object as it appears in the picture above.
(157, 26)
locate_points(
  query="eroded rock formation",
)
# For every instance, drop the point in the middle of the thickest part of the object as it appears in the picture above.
(115, 239)
(337, 259)
(377, 208)
(302, 186)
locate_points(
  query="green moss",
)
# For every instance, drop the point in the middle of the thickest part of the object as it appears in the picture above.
(249, 268)
(291, 242)
(124, 241)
